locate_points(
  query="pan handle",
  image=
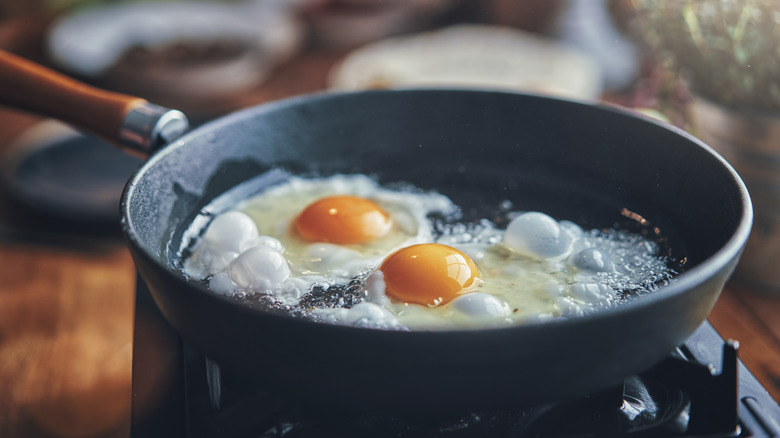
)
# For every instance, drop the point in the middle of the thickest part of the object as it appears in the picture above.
(127, 120)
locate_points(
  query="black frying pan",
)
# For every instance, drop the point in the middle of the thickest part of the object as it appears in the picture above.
(587, 163)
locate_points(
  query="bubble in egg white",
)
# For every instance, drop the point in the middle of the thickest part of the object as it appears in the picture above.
(208, 261)
(593, 260)
(550, 290)
(537, 235)
(227, 236)
(375, 288)
(266, 241)
(259, 269)
(574, 230)
(480, 305)
(230, 230)
(367, 314)
(567, 308)
(222, 284)
(593, 293)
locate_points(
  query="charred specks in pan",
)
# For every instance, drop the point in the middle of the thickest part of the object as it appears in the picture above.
(499, 216)
(337, 295)
(676, 256)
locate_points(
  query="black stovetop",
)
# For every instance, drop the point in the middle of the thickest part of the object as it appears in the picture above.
(700, 390)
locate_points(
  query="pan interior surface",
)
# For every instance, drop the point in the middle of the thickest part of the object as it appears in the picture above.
(596, 166)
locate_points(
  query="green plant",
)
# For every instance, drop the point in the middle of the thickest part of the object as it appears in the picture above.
(728, 50)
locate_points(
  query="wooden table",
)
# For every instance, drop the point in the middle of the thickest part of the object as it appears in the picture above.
(66, 308)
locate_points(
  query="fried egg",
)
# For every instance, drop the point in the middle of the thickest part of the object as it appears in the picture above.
(537, 269)
(328, 230)
(404, 272)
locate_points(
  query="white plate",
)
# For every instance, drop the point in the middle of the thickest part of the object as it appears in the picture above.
(89, 41)
(472, 56)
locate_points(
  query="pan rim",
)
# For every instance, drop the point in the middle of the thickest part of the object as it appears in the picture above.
(687, 280)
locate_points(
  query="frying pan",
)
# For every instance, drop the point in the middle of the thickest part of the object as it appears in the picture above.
(597, 165)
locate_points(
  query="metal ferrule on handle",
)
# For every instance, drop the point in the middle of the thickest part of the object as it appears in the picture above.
(147, 127)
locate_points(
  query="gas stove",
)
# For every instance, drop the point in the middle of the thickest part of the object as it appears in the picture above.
(701, 389)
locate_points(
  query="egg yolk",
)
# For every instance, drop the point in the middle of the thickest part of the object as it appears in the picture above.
(343, 220)
(430, 274)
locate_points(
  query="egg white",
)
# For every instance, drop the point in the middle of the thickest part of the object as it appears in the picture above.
(536, 269)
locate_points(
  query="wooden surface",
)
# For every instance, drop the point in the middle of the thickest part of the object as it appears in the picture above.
(753, 319)
(66, 306)
(67, 297)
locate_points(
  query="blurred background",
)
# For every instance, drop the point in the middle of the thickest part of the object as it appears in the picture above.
(66, 283)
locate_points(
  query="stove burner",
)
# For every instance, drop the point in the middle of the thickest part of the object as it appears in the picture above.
(650, 405)
(641, 407)
(700, 390)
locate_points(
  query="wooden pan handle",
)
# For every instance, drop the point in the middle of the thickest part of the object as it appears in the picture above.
(118, 118)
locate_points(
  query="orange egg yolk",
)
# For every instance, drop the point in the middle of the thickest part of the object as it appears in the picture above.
(343, 220)
(430, 274)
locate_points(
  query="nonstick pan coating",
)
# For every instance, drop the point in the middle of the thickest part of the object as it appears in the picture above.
(586, 163)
